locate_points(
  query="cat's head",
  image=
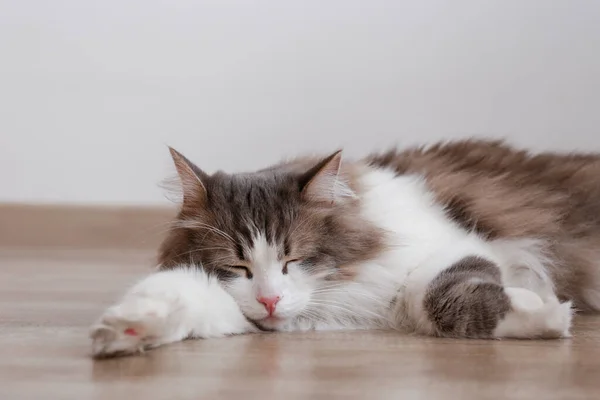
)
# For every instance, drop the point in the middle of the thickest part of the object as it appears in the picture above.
(275, 238)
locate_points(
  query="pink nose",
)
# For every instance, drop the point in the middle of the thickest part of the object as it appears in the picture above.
(269, 302)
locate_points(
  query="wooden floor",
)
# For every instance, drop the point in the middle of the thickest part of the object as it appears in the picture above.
(48, 299)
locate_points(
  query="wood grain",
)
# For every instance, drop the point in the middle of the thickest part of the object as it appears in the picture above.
(49, 297)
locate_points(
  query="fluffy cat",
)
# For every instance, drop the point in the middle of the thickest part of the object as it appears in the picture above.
(469, 239)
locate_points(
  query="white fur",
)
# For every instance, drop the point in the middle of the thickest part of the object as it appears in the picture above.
(172, 305)
(167, 307)
(525, 263)
(428, 242)
(530, 317)
(269, 281)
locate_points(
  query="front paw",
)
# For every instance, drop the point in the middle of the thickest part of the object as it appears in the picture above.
(136, 324)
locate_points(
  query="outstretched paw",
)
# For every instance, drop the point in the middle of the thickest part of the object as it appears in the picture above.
(136, 324)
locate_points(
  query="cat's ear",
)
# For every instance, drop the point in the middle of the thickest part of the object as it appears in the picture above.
(193, 179)
(325, 183)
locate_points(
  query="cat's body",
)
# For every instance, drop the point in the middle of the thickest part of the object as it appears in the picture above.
(467, 239)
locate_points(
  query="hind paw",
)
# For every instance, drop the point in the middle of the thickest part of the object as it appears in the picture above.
(531, 317)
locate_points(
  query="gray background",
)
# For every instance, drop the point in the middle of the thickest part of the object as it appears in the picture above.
(92, 91)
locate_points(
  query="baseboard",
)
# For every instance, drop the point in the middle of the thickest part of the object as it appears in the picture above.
(83, 227)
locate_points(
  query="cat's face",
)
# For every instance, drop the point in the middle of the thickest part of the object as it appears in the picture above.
(275, 238)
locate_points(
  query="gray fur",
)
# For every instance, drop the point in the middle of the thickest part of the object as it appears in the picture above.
(467, 299)
(223, 214)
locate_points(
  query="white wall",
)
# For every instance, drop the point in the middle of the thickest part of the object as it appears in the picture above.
(92, 91)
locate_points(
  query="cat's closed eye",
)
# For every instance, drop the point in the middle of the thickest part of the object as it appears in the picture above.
(242, 268)
(285, 267)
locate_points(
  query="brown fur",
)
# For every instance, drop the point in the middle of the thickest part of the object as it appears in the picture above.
(489, 187)
(222, 213)
(502, 192)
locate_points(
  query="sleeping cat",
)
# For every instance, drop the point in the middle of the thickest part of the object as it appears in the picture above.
(469, 239)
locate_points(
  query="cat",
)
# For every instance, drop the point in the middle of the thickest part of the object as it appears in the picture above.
(467, 239)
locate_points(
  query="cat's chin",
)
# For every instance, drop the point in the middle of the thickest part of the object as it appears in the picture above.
(271, 323)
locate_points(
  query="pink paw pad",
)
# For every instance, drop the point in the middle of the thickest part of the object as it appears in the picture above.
(130, 332)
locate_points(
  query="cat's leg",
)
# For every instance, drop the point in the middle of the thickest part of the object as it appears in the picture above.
(167, 307)
(467, 298)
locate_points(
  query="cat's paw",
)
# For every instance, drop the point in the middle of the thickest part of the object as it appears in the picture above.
(532, 317)
(137, 323)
